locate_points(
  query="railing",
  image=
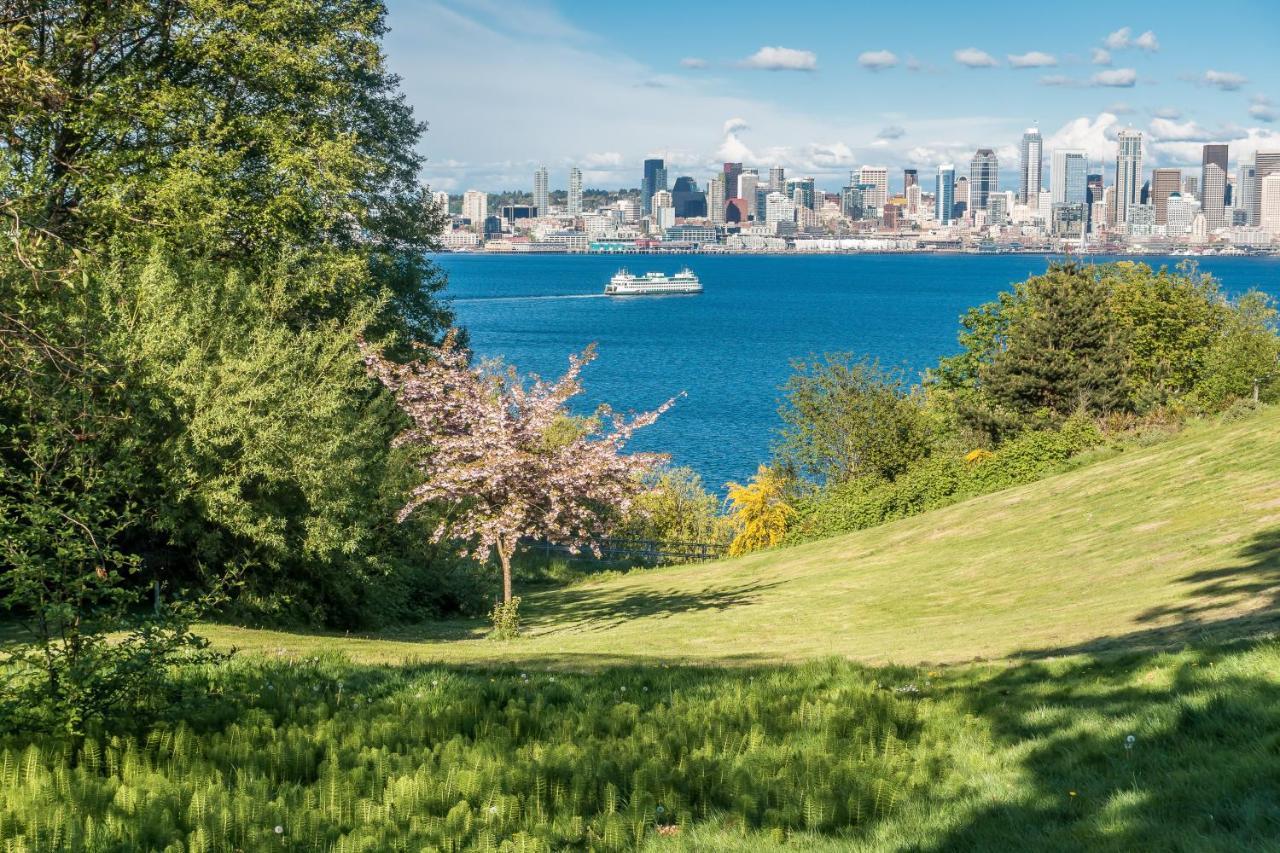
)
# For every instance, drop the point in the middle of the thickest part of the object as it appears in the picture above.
(645, 549)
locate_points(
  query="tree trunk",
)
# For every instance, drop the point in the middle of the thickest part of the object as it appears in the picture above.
(504, 555)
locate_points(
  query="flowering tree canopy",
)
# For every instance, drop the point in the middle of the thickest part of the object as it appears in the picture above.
(496, 453)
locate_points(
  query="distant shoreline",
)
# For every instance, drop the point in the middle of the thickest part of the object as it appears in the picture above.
(950, 253)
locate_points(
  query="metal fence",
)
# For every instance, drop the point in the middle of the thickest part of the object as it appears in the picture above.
(645, 549)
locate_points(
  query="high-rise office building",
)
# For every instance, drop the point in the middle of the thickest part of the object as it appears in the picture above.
(475, 207)
(575, 192)
(1213, 185)
(944, 193)
(1128, 182)
(1068, 178)
(663, 212)
(654, 179)
(1269, 204)
(440, 201)
(541, 193)
(689, 201)
(1191, 186)
(1180, 211)
(731, 173)
(984, 178)
(778, 208)
(1264, 163)
(802, 192)
(716, 199)
(878, 177)
(777, 179)
(1031, 166)
(1246, 188)
(748, 180)
(910, 178)
(1164, 183)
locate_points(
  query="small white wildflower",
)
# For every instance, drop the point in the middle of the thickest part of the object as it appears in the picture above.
(279, 829)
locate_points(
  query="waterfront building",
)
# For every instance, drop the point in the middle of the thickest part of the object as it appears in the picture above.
(944, 194)
(1068, 178)
(662, 210)
(654, 179)
(1180, 211)
(630, 210)
(778, 209)
(877, 177)
(541, 193)
(687, 233)
(1068, 220)
(512, 212)
(575, 192)
(1128, 183)
(1031, 166)
(716, 199)
(475, 207)
(1213, 185)
(984, 178)
(1164, 183)
(1269, 204)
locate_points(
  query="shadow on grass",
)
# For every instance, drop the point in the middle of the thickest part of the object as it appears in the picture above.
(598, 610)
(1202, 771)
(1233, 602)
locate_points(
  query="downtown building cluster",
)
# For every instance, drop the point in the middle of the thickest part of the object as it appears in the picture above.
(951, 207)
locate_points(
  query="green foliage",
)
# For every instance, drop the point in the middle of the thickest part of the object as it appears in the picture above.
(505, 617)
(761, 514)
(940, 480)
(844, 419)
(675, 510)
(1243, 361)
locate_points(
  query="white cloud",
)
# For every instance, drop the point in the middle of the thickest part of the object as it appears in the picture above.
(782, 59)
(734, 125)
(1118, 40)
(1032, 59)
(893, 131)
(1227, 81)
(829, 155)
(1123, 78)
(1261, 108)
(1172, 113)
(1095, 136)
(732, 149)
(974, 58)
(913, 64)
(1121, 108)
(602, 160)
(1100, 56)
(693, 62)
(877, 60)
(1147, 41)
(1059, 80)
(1167, 130)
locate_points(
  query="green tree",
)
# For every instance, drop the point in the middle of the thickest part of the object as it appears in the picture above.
(845, 418)
(1063, 350)
(1243, 361)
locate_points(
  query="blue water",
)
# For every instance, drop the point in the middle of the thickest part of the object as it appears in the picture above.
(730, 348)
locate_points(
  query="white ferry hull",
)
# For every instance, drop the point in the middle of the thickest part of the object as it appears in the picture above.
(653, 284)
(626, 290)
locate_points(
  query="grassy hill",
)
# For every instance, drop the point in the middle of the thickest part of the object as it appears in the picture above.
(1153, 547)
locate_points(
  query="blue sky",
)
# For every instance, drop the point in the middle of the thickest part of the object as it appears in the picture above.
(822, 87)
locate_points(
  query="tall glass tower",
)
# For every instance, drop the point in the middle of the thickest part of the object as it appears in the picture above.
(1128, 173)
(1031, 179)
(944, 193)
(984, 178)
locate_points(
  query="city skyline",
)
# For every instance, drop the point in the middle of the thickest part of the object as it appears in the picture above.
(901, 97)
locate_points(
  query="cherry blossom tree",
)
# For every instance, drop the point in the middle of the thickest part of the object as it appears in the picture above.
(497, 454)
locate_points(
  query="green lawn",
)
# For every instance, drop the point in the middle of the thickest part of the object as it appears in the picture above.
(1175, 542)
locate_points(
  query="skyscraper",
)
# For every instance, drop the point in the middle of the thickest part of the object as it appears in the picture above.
(984, 178)
(747, 182)
(575, 191)
(1164, 183)
(801, 192)
(1269, 207)
(878, 177)
(715, 199)
(475, 207)
(690, 202)
(944, 193)
(541, 195)
(1031, 167)
(655, 178)
(1068, 177)
(1191, 186)
(1128, 173)
(1213, 185)
(777, 179)
(1247, 188)
(731, 173)
(910, 178)
(1264, 163)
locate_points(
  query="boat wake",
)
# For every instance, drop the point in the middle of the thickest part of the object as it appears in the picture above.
(528, 298)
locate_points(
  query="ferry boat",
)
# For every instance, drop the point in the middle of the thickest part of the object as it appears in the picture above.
(652, 283)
